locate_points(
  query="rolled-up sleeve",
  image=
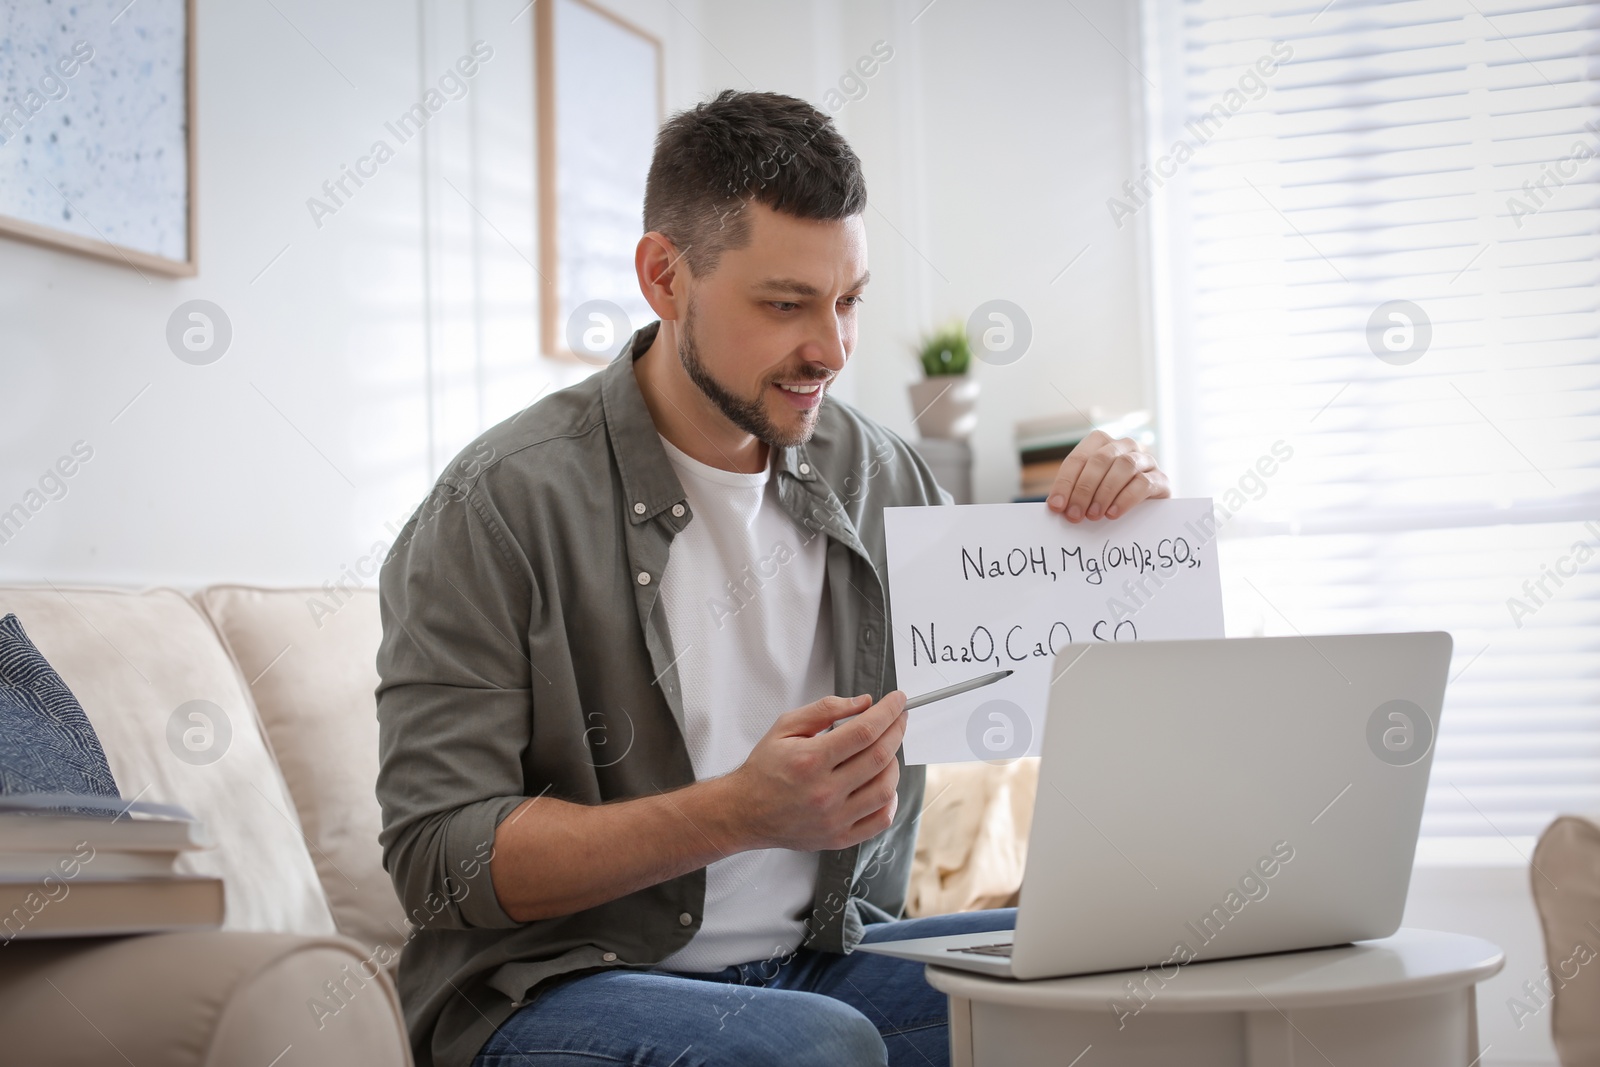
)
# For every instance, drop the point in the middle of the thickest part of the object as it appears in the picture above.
(454, 704)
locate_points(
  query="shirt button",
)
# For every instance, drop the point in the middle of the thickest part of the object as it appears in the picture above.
(869, 635)
(677, 511)
(805, 468)
(685, 919)
(609, 957)
(638, 509)
(644, 577)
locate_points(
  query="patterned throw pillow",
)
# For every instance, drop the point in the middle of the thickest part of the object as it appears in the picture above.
(47, 744)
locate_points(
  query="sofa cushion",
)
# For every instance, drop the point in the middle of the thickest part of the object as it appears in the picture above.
(178, 727)
(310, 661)
(47, 744)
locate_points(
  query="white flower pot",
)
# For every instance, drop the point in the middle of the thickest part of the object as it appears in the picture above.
(945, 406)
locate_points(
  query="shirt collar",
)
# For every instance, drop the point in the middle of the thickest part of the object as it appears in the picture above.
(649, 482)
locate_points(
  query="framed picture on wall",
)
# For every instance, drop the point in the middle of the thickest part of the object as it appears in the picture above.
(600, 101)
(97, 147)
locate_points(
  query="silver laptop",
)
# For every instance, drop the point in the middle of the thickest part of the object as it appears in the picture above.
(1205, 799)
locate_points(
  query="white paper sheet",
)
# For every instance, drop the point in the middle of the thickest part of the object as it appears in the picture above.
(984, 587)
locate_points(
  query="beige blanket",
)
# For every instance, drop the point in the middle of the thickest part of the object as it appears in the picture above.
(974, 836)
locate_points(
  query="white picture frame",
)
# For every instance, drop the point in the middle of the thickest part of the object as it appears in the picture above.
(600, 101)
(97, 139)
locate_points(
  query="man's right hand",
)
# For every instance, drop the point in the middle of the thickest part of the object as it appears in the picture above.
(804, 787)
(811, 789)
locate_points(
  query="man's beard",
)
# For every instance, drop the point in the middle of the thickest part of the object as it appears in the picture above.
(749, 415)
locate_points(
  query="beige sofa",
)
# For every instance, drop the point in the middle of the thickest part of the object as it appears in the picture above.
(296, 971)
(301, 971)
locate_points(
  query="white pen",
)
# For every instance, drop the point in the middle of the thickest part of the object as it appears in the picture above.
(948, 691)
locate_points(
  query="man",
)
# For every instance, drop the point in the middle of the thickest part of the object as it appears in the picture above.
(614, 808)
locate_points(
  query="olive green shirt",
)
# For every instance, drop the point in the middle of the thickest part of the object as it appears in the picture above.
(524, 654)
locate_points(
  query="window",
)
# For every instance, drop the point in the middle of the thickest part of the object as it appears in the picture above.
(1376, 234)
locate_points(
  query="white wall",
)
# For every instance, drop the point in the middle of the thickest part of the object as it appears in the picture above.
(376, 344)
(370, 349)
(991, 142)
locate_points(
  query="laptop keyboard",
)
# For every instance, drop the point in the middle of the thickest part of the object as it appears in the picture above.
(999, 948)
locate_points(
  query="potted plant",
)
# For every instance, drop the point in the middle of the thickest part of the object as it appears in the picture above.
(944, 404)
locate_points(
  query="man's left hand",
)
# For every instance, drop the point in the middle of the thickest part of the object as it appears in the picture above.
(1105, 476)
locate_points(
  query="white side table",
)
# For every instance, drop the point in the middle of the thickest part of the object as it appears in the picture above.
(1404, 1001)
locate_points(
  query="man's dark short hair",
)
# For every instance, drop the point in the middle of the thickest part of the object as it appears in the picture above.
(712, 160)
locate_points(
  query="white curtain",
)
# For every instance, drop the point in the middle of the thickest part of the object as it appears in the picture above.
(1376, 235)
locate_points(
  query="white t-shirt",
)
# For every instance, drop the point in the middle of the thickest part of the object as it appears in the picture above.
(746, 598)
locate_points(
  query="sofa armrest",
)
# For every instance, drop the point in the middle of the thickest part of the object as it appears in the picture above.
(197, 1000)
(1566, 890)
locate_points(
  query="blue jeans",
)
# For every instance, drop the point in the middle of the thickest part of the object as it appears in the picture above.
(816, 1009)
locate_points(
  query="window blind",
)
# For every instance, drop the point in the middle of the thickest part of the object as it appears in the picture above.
(1377, 247)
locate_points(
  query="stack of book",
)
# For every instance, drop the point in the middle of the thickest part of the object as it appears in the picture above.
(91, 866)
(1043, 443)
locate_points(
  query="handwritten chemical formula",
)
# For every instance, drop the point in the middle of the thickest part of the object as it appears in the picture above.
(1015, 646)
(1079, 561)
